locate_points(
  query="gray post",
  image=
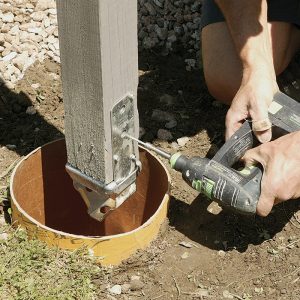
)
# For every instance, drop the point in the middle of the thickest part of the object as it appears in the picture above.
(99, 57)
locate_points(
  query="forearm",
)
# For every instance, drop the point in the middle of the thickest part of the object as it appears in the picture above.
(248, 26)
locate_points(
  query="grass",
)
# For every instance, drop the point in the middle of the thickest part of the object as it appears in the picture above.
(31, 270)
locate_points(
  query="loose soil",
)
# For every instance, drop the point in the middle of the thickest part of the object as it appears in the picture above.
(231, 256)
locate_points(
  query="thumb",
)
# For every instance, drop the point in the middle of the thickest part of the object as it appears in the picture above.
(266, 199)
(265, 202)
(261, 124)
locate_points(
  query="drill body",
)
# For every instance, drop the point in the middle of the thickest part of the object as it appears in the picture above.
(237, 190)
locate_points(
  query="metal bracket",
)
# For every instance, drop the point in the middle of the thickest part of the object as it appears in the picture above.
(100, 197)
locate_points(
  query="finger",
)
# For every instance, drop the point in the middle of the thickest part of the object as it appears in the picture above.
(252, 157)
(233, 123)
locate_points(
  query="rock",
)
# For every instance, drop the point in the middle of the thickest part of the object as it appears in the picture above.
(11, 147)
(8, 17)
(52, 11)
(186, 244)
(115, 290)
(135, 277)
(38, 16)
(150, 8)
(174, 145)
(167, 99)
(35, 86)
(171, 124)
(161, 116)
(185, 255)
(20, 60)
(182, 141)
(221, 253)
(136, 285)
(125, 287)
(30, 110)
(227, 295)
(9, 56)
(3, 236)
(165, 135)
(142, 131)
(203, 293)
(44, 5)
(14, 30)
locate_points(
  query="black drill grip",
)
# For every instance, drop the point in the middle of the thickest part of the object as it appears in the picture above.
(237, 190)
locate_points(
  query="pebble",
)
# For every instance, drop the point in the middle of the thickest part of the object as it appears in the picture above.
(227, 295)
(161, 116)
(185, 255)
(182, 141)
(221, 253)
(171, 124)
(32, 26)
(136, 285)
(11, 147)
(35, 85)
(186, 244)
(8, 17)
(30, 110)
(167, 99)
(142, 131)
(125, 287)
(9, 56)
(22, 36)
(165, 135)
(3, 236)
(116, 289)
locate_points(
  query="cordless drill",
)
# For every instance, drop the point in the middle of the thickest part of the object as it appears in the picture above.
(216, 178)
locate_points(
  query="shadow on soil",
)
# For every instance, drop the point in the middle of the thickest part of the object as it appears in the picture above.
(22, 132)
(190, 101)
(227, 231)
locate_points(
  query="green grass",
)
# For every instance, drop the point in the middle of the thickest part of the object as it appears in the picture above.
(31, 270)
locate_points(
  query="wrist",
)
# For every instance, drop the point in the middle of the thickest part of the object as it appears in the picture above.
(261, 69)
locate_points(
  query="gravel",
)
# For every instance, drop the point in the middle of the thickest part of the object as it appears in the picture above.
(28, 32)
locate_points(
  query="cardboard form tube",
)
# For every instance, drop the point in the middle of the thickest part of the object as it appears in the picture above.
(45, 203)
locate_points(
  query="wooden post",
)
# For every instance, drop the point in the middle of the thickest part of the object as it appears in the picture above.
(99, 57)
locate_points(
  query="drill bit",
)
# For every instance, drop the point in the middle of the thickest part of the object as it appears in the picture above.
(148, 146)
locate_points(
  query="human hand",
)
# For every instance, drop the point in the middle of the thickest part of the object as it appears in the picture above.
(281, 163)
(252, 101)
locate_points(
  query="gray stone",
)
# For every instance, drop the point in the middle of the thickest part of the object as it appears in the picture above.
(30, 110)
(171, 124)
(161, 116)
(165, 135)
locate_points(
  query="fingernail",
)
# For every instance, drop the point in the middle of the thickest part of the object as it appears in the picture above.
(264, 137)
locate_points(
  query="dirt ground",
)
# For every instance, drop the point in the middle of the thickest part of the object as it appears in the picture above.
(228, 256)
